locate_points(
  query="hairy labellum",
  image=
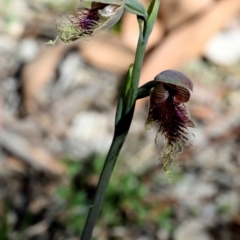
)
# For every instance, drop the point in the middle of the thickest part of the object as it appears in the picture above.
(168, 112)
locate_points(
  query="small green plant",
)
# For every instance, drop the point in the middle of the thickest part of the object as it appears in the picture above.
(4, 226)
(124, 200)
(164, 220)
(73, 201)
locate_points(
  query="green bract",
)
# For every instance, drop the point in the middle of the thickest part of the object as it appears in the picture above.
(135, 7)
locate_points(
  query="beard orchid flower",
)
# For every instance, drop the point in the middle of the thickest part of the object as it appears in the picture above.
(168, 112)
(92, 16)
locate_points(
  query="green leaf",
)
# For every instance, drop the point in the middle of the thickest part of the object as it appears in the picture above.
(135, 7)
(126, 99)
(119, 111)
(127, 86)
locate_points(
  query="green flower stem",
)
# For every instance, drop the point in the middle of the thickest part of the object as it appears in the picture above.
(124, 114)
(144, 90)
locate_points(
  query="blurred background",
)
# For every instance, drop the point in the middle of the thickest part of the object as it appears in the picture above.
(57, 108)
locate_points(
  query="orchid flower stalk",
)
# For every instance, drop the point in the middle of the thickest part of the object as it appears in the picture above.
(168, 91)
(125, 107)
